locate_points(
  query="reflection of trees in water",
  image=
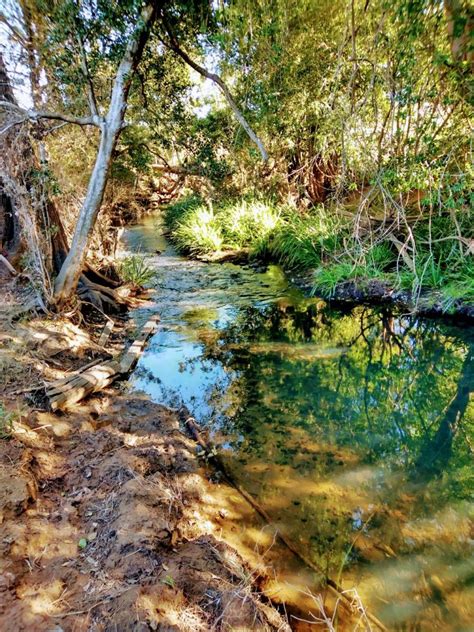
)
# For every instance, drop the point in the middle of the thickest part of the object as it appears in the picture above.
(382, 396)
(437, 449)
(396, 398)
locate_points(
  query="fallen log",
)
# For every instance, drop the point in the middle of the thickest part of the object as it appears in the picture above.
(73, 388)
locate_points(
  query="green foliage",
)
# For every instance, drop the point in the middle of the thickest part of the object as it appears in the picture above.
(135, 269)
(200, 231)
(199, 228)
(168, 581)
(328, 278)
(301, 242)
(322, 240)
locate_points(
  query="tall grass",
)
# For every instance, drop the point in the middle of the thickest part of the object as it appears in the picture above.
(201, 228)
(323, 240)
(135, 269)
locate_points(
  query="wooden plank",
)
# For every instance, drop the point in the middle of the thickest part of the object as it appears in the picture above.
(72, 381)
(91, 379)
(104, 336)
(136, 349)
(51, 386)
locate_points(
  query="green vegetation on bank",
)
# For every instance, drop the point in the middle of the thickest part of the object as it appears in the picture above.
(322, 240)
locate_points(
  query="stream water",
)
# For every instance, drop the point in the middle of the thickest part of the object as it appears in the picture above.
(353, 428)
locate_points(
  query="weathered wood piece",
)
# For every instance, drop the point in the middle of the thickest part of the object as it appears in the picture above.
(104, 336)
(73, 388)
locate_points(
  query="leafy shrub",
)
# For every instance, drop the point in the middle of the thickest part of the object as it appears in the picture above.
(199, 231)
(200, 228)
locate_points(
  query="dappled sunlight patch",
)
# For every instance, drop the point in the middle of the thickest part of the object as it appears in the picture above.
(43, 599)
(58, 426)
(451, 526)
(45, 540)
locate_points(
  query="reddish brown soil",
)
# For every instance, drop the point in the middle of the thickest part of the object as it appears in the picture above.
(104, 510)
(101, 529)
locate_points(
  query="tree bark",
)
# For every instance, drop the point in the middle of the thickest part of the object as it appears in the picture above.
(111, 126)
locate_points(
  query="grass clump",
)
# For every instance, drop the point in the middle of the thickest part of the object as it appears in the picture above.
(134, 269)
(201, 228)
(434, 259)
(6, 422)
(302, 241)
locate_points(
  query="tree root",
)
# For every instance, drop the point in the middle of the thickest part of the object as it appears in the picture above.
(105, 299)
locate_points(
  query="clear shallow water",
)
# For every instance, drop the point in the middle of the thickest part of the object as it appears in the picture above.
(354, 429)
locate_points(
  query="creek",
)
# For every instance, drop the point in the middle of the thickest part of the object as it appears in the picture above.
(352, 427)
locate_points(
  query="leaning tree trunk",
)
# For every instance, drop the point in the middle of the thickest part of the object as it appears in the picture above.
(110, 127)
(30, 220)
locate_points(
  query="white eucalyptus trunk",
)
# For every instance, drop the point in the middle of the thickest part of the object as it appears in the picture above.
(110, 128)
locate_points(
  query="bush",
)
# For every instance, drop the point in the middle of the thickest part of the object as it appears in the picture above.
(199, 228)
(323, 240)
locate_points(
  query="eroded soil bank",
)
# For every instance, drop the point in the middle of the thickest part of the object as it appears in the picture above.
(102, 529)
(104, 510)
(109, 519)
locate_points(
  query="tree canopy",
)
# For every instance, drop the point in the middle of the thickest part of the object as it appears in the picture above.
(362, 105)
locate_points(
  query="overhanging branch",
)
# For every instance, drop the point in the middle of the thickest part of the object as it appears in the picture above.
(174, 45)
(34, 115)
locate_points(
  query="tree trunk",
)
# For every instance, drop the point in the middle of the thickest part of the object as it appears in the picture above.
(71, 269)
(111, 126)
(30, 220)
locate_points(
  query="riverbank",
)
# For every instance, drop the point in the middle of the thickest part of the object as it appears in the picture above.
(111, 517)
(322, 257)
(335, 421)
(108, 519)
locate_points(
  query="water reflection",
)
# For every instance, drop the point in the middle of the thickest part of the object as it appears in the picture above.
(353, 429)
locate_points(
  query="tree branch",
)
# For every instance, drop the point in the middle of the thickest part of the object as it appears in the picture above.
(174, 45)
(85, 71)
(34, 115)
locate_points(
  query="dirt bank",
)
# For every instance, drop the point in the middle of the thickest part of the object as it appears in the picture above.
(111, 517)
(101, 528)
(105, 510)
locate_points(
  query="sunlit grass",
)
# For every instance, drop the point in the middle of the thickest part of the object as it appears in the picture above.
(135, 269)
(199, 228)
(324, 240)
